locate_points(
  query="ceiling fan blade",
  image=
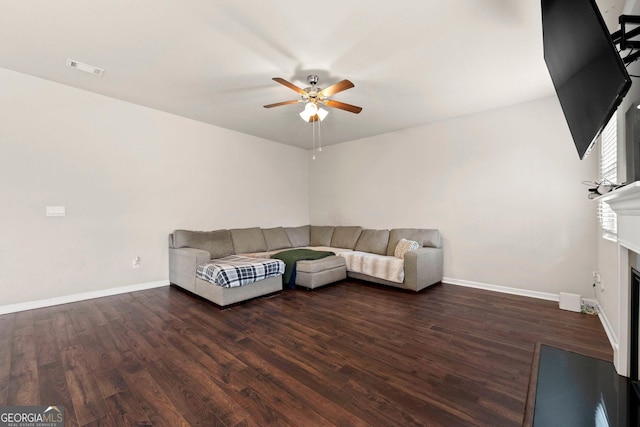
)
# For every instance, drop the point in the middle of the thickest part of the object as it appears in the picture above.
(335, 88)
(341, 105)
(277, 104)
(289, 85)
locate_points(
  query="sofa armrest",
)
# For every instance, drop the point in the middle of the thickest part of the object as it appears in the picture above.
(422, 268)
(183, 264)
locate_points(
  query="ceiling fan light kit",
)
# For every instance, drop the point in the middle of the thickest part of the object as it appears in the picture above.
(314, 95)
(312, 113)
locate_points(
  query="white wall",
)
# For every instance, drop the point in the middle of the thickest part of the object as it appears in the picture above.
(504, 187)
(128, 175)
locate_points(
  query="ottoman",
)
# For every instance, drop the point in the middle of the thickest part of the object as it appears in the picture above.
(319, 272)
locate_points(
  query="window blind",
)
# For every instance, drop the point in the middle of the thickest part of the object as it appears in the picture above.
(608, 172)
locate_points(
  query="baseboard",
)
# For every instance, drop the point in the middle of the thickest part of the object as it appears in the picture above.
(502, 289)
(613, 339)
(31, 305)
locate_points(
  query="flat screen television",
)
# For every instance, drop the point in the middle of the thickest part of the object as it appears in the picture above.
(588, 74)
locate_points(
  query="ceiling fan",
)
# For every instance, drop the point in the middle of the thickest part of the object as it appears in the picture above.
(315, 96)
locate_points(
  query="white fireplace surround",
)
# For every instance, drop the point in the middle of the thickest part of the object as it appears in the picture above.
(625, 202)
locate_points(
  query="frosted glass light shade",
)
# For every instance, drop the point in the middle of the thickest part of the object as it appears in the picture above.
(311, 108)
(305, 116)
(322, 113)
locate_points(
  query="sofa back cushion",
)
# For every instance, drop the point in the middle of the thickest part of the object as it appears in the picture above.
(276, 238)
(218, 243)
(425, 237)
(345, 237)
(320, 235)
(248, 240)
(298, 236)
(373, 241)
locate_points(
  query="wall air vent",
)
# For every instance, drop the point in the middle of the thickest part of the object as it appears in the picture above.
(85, 67)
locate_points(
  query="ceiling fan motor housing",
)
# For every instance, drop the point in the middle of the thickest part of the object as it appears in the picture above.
(312, 92)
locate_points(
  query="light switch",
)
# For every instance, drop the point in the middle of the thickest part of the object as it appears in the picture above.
(56, 211)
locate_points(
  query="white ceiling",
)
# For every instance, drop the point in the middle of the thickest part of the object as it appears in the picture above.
(412, 61)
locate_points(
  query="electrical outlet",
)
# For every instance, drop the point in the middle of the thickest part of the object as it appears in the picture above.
(136, 262)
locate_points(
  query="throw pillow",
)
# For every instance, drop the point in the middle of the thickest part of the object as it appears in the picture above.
(404, 246)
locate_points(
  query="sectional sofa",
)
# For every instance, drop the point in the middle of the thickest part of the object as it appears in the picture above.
(365, 254)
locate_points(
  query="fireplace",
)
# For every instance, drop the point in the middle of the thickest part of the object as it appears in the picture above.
(634, 329)
(625, 202)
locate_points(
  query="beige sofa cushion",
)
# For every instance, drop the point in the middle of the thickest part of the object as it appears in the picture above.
(373, 241)
(246, 240)
(425, 237)
(218, 243)
(345, 236)
(319, 265)
(320, 235)
(276, 238)
(298, 236)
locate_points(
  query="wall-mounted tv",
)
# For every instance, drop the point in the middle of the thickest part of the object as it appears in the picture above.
(588, 74)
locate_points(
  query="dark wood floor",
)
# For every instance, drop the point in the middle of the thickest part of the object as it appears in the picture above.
(347, 354)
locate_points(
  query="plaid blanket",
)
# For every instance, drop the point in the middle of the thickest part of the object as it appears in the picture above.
(236, 270)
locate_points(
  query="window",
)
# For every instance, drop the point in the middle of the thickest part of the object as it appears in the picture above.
(608, 173)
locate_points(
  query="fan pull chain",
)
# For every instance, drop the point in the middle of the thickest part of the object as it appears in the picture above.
(313, 134)
(319, 138)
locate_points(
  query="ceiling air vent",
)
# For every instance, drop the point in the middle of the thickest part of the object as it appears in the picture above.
(85, 67)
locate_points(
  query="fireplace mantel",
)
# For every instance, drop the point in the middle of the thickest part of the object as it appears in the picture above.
(625, 202)
(628, 192)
